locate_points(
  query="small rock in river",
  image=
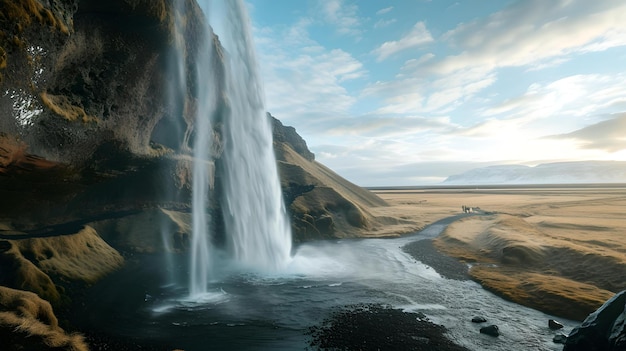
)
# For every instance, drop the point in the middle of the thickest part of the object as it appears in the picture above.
(554, 325)
(479, 319)
(559, 339)
(421, 339)
(491, 330)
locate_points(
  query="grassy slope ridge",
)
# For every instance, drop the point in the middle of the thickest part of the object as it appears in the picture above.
(515, 259)
(329, 206)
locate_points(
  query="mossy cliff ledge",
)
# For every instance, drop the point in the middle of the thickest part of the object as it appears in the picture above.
(96, 140)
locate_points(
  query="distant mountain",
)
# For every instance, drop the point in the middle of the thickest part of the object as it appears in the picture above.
(547, 173)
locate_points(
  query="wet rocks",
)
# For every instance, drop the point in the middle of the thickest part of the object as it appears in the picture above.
(559, 339)
(604, 329)
(491, 330)
(554, 325)
(479, 319)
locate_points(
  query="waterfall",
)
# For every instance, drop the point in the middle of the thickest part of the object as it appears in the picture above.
(197, 100)
(257, 229)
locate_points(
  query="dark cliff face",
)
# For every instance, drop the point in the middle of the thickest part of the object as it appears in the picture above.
(84, 87)
(287, 134)
(604, 329)
(94, 77)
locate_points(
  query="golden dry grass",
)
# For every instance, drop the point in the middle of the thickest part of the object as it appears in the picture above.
(28, 264)
(561, 250)
(82, 256)
(28, 322)
(332, 196)
(20, 273)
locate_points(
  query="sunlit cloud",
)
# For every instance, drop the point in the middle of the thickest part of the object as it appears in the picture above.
(381, 23)
(532, 32)
(608, 135)
(342, 15)
(304, 80)
(384, 11)
(418, 35)
(565, 100)
(383, 126)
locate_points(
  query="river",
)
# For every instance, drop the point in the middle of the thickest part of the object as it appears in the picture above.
(254, 311)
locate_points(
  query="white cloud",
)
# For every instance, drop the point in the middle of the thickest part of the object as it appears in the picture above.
(514, 129)
(519, 125)
(567, 99)
(304, 81)
(381, 23)
(531, 32)
(384, 11)
(418, 35)
(345, 17)
(609, 135)
(384, 126)
(536, 34)
(415, 94)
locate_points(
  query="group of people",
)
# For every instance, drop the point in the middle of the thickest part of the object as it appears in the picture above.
(467, 209)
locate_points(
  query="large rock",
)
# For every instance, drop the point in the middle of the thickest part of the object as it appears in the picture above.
(554, 325)
(602, 330)
(288, 135)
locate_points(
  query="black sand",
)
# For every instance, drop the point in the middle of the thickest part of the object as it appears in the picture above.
(376, 327)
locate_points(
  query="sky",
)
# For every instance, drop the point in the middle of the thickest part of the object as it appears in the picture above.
(408, 92)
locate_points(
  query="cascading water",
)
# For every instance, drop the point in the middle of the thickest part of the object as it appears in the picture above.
(201, 106)
(258, 229)
(258, 234)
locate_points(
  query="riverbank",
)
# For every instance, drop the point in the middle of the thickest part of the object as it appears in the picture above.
(559, 250)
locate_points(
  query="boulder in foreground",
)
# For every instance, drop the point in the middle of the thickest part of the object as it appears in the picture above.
(602, 330)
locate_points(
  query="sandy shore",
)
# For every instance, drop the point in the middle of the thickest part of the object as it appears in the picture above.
(559, 250)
